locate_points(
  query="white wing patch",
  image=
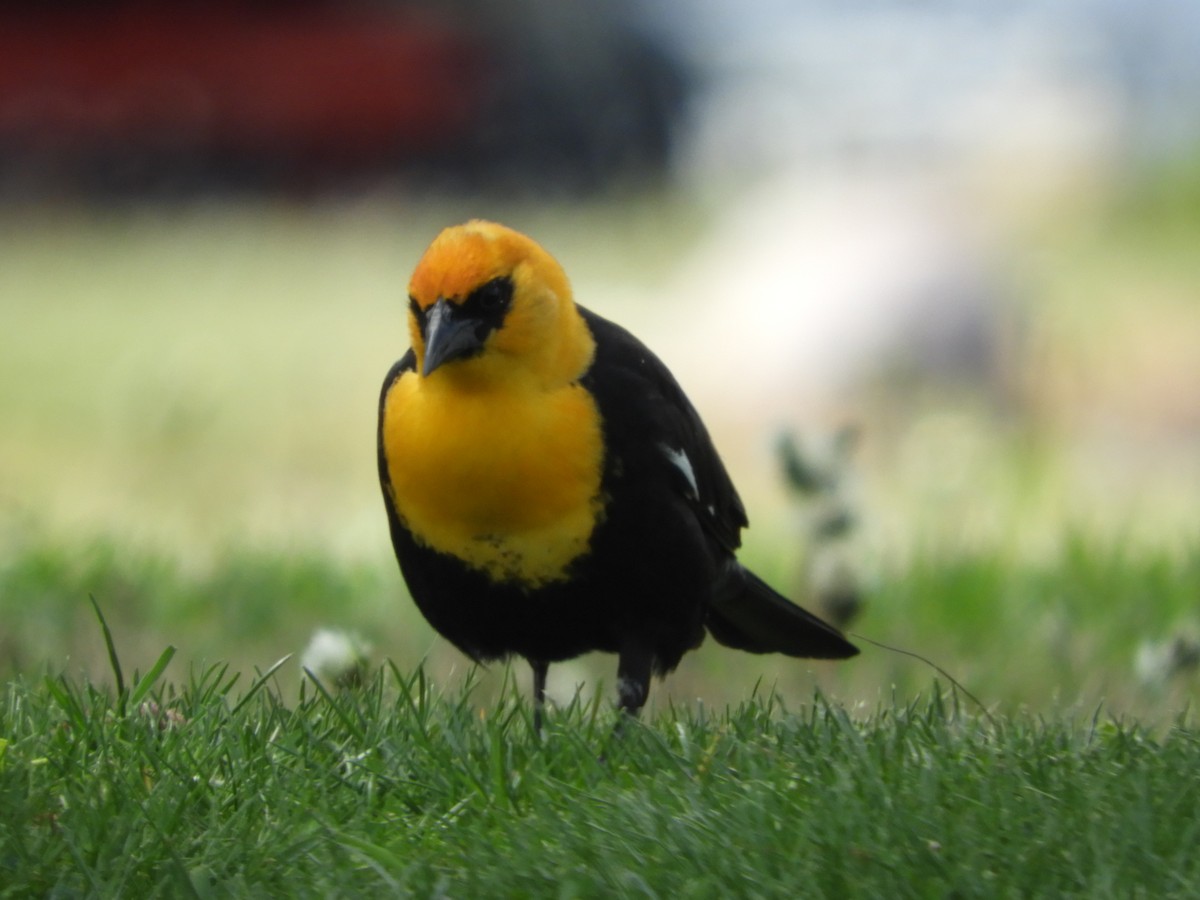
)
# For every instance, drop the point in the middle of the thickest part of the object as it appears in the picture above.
(680, 461)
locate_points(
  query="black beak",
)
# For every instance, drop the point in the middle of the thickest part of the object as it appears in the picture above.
(449, 335)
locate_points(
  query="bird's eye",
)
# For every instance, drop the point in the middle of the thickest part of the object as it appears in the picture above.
(493, 296)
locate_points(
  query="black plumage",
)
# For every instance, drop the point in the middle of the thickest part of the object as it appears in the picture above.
(660, 568)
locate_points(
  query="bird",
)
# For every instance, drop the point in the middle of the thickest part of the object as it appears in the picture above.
(549, 488)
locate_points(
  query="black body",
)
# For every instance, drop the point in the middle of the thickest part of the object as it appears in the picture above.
(661, 567)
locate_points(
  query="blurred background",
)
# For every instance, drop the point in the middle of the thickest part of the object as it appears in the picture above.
(930, 271)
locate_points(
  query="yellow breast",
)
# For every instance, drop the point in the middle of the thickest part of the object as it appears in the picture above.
(506, 481)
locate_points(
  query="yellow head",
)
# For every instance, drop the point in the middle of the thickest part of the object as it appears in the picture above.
(487, 304)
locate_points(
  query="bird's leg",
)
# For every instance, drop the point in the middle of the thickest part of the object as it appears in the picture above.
(633, 677)
(633, 684)
(539, 691)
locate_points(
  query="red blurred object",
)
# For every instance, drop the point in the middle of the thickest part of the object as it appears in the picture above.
(325, 83)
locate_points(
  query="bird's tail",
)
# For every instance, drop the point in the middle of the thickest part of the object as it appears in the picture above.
(747, 614)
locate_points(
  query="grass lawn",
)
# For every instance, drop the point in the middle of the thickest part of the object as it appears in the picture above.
(1060, 637)
(198, 779)
(202, 788)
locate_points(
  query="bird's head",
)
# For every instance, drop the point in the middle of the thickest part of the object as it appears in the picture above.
(487, 303)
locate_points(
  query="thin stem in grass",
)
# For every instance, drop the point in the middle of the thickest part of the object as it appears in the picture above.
(355, 728)
(64, 695)
(144, 684)
(954, 681)
(142, 688)
(113, 659)
(418, 707)
(261, 681)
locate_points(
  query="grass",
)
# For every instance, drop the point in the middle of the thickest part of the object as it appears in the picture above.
(1062, 635)
(204, 789)
(178, 777)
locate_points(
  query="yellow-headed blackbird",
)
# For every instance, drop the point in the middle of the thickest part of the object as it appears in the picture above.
(550, 489)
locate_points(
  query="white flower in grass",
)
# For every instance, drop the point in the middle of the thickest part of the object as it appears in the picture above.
(336, 657)
(1159, 661)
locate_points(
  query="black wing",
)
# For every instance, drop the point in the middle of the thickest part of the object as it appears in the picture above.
(658, 427)
(406, 363)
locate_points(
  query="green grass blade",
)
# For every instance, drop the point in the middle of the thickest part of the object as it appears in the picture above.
(142, 688)
(63, 694)
(113, 659)
(353, 727)
(259, 683)
(380, 859)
